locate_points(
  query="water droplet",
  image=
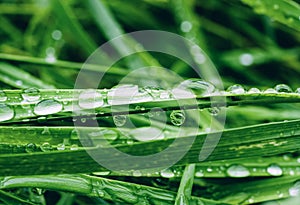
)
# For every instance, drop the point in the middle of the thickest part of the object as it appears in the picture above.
(253, 90)
(214, 111)
(6, 112)
(74, 147)
(177, 117)
(274, 170)
(3, 96)
(31, 147)
(197, 86)
(246, 59)
(83, 120)
(47, 107)
(199, 174)
(45, 147)
(270, 90)
(50, 58)
(238, 171)
(186, 26)
(56, 35)
(31, 94)
(119, 120)
(236, 89)
(103, 173)
(74, 135)
(282, 88)
(295, 189)
(61, 147)
(137, 173)
(167, 173)
(90, 99)
(122, 94)
(153, 133)
(209, 169)
(19, 83)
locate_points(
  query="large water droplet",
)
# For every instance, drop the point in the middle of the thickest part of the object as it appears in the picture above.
(167, 173)
(283, 88)
(31, 94)
(270, 90)
(90, 99)
(61, 147)
(122, 94)
(3, 96)
(295, 189)
(253, 90)
(146, 133)
(177, 117)
(297, 91)
(47, 107)
(74, 147)
(6, 112)
(236, 89)
(119, 120)
(274, 170)
(198, 86)
(238, 171)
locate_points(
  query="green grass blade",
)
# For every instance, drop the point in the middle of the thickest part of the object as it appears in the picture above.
(186, 185)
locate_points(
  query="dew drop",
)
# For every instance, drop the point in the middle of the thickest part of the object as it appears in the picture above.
(270, 90)
(236, 89)
(103, 173)
(90, 99)
(122, 94)
(198, 86)
(119, 120)
(295, 189)
(238, 171)
(61, 147)
(246, 59)
(19, 83)
(31, 94)
(3, 96)
(45, 147)
(31, 147)
(74, 147)
(214, 111)
(253, 90)
(6, 112)
(137, 173)
(47, 107)
(146, 133)
(199, 174)
(167, 173)
(186, 26)
(177, 117)
(74, 135)
(283, 88)
(274, 170)
(56, 35)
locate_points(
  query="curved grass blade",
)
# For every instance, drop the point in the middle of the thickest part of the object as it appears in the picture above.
(186, 185)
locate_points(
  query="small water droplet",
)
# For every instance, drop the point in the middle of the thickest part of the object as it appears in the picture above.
(177, 117)
(246, 59)
(253, 90)
(119, 120)
(31, 147)
(137, 173)
(214, 111)
(90, 99)
(103, 173)
(3, 96)
(83, 120)
(283, 88)
(153, 133)
(74, 135)
(295, 189)
(167, 173)
(45, 147)
(6, 112)
(186, 26)
(236, 89)
(19, 83)
(31, 94)
(238, 171)
(74, 147)
(61, 147)
(56, 35)
(274, 170)
(47, 107)
(199, 173)
(209, 169)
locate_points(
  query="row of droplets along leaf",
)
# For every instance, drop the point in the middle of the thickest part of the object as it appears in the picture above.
(32, 102)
